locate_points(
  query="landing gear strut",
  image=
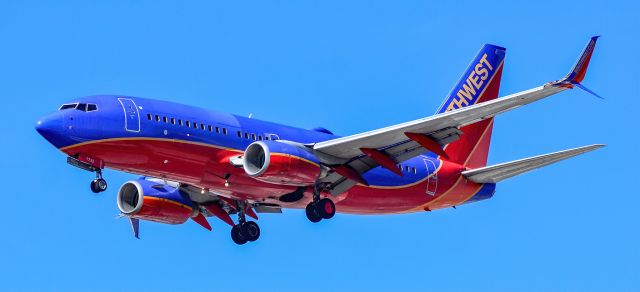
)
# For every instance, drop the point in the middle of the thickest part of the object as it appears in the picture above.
(245, 231)
(320, 209)
(98, 185)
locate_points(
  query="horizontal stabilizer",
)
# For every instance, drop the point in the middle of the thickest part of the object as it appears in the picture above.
(502, 171)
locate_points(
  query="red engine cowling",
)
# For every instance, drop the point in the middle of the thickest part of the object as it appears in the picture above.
(281, 163)
(154, 201)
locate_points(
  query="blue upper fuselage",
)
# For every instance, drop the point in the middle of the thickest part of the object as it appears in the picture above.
(113, 116)
(70, 126)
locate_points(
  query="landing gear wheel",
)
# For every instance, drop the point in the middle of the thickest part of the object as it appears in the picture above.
(312, 213)
(250, 230)
(98, 185)
(326, 208)
(94, 186)
(102, 184)
(237, 236)
(244, 231)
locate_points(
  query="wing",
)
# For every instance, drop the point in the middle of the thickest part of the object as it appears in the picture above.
(441, 128)
(394, 144)
(398, 143)
(499, 172)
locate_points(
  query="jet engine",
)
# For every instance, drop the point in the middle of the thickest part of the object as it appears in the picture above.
(155, 201)
(281, 163)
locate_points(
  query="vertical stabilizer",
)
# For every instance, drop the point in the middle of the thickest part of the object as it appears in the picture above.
(479, 83)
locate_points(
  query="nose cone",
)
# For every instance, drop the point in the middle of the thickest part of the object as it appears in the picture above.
(51, 127)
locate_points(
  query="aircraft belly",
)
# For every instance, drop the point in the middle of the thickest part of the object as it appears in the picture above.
(206, 166)
(198, 164)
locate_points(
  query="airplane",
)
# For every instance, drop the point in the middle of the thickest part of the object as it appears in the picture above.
(195, 163)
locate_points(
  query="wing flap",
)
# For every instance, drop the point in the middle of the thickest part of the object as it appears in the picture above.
(499, 172)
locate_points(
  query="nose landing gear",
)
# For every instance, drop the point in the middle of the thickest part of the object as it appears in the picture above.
(98, 185)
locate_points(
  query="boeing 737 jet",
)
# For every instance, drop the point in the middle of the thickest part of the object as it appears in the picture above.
(195, 163)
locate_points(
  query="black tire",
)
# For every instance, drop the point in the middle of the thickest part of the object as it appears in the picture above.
(326, 208)
(101, 184)
(312, 213)
(250, 230)
(237, 236)
(94, 186)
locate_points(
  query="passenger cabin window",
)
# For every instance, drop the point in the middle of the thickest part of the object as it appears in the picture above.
(246, 135)
(202, 127)
(217, 130)
(195, 125)
(239, 134)
(149, 117)
(164, 119)
(180, 122)
(173, 121)
(253, 137)
(187, 124)
(157, 118)
(224, 131)
(210, 128)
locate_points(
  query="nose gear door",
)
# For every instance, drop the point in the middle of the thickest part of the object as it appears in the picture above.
(131, 115)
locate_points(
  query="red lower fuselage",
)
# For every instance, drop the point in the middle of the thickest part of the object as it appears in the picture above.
(202, 165)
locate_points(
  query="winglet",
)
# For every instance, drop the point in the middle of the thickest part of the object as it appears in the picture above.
(135, 226)
(579, 70)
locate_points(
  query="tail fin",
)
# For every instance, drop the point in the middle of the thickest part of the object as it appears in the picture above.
(479, 83)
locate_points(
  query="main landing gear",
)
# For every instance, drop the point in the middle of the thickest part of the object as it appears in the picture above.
(245, 231)
(98, 185)
(320, 209)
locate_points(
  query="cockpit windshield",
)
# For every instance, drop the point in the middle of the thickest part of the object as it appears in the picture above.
(85, 107)
(68, 106)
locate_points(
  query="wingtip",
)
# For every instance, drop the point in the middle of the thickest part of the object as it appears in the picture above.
(592, 147)
(135, 226)
(579, 70)
(588, 90)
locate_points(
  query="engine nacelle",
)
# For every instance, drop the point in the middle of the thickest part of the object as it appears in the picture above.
(281, 163)
(154, 201)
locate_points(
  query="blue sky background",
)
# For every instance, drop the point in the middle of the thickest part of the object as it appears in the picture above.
(349, 66)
